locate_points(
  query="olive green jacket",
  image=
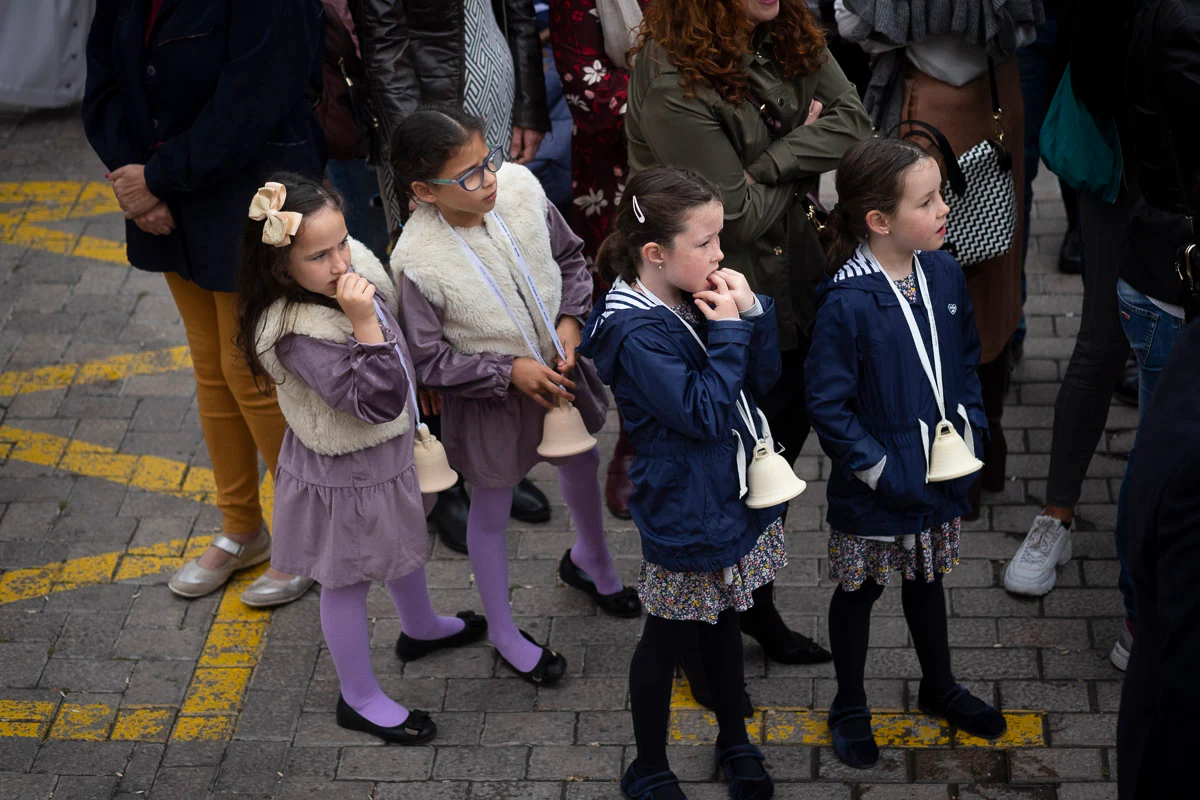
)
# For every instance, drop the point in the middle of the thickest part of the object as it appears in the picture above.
(767, 235)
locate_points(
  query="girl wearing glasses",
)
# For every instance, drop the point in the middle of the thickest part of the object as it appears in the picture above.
(494, 288)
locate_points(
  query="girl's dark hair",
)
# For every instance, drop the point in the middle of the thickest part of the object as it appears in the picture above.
(870, 177)
(263, 277)
(664, 195)
(426, 139)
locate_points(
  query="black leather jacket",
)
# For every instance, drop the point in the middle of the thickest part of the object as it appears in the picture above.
(1162, 86)
(414, 53)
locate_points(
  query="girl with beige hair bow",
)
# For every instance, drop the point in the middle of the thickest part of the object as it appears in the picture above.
(317, 317)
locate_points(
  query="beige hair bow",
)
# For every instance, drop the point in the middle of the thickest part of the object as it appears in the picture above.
(279, 226)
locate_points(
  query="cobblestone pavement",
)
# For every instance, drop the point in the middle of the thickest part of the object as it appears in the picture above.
(112, 687)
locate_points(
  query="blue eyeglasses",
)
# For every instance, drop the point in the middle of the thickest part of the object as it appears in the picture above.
(473, 180)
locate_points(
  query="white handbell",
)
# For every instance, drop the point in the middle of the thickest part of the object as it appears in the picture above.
(949, 457)
(770, 479)
(429, 457)
(563, 432)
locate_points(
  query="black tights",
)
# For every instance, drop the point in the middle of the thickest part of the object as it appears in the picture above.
(652, 673)
(850, 629)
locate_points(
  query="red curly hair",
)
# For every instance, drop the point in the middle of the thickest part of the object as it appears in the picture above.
(707, 39)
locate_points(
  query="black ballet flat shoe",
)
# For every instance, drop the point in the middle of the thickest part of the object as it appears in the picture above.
(853, 742)
(418, 728)
(745, 787)
(549, 669)
(624, 603)
(410, 649)
(636, 787)
(529, 504)
(966, 712)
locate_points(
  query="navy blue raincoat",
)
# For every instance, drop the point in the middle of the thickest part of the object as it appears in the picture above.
(679, 409)
(868, 395)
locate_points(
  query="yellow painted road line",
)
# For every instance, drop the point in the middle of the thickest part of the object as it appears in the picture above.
(58, 201)
(690, 722)
(103, 370)
(152, 473)
(234, 643)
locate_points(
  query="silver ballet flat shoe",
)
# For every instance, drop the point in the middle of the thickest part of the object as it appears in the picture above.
(193, 580)
(266, 592)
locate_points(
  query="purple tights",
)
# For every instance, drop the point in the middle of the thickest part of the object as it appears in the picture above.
(344, 622)
(487, 545)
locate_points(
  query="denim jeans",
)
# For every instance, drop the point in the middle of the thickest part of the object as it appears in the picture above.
(1153, 334)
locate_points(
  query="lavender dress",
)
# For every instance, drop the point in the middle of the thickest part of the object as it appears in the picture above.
(491, 431)
(358, 517)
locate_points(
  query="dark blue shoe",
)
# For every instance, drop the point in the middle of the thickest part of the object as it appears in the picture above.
(853, 742)
(643, 788)
(966, 712)
(750, 782)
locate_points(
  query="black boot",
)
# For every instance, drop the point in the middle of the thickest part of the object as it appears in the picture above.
(781, 644)
(697, 680)
(529, 504)
(449, 517)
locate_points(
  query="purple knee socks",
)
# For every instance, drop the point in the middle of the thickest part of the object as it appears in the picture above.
(487, 547)
(417, 617)
(580, 485)
(344, 622)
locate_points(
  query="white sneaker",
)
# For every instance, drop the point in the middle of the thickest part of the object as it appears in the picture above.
(1032, 570)
(1120, 652)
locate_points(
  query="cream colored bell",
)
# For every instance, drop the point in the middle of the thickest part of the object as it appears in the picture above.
(770, 479)
(563, 432)
(949, 457)
(429, 457)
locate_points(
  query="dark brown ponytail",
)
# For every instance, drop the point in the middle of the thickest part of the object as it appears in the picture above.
(870, 178)
(664, 196)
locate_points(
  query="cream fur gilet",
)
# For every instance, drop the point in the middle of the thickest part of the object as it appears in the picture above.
(319, 427)
(473, 320)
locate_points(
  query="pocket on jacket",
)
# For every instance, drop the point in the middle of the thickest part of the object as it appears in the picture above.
(902, 485)
(662, 488)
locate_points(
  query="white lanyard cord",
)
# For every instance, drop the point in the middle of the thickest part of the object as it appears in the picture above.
(490, 280)
(933, 373)
(412, 383)
(743, 412)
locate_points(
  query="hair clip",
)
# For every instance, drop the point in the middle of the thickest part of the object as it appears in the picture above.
(637, 211)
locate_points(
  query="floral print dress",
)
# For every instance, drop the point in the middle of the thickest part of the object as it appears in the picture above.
(595, 89)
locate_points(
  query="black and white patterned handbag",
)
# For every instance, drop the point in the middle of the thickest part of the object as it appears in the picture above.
(982, 194)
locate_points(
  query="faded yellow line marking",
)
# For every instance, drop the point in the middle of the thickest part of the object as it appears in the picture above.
(143, 724)
(25, 719)
(103, 370)
(152, 473)
(87, 722)
(691, 722)
(234, 642)
(58, 201)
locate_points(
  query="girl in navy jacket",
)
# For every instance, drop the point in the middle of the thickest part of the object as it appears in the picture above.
(873, 403)
(686, 346)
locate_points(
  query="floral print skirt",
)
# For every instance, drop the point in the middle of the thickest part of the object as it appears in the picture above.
(701, 596)
(853, 559)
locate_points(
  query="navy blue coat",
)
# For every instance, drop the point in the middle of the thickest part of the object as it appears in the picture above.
(867, 394)
(212, 105)
(678, 407)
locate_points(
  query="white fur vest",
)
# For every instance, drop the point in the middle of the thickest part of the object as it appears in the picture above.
(473, 320)
(319, 427)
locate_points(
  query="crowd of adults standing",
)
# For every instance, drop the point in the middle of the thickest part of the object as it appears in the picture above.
(191, 104)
